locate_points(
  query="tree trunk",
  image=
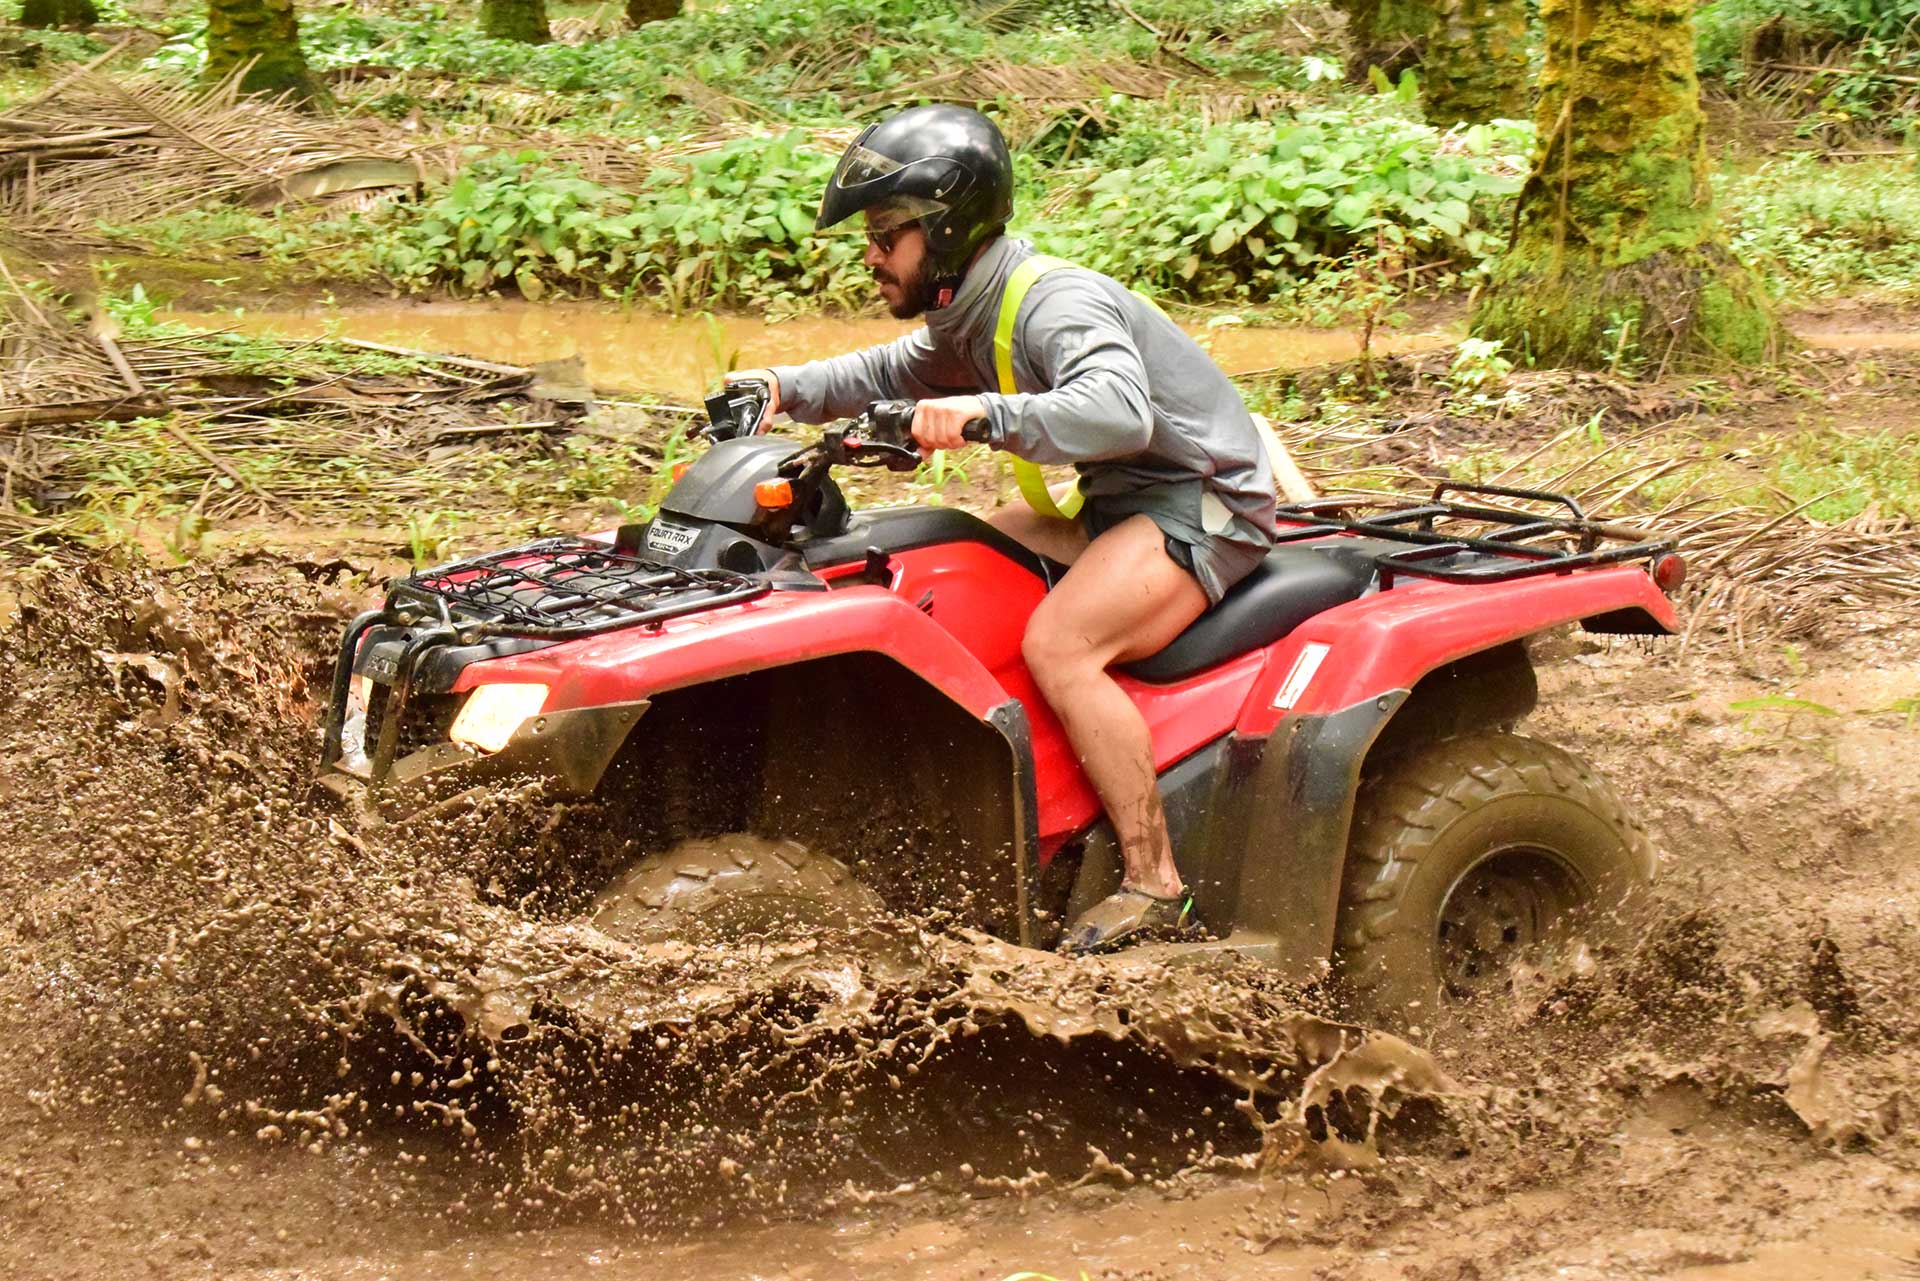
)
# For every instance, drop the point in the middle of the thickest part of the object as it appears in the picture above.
(522, 20)
(639, 11)
(1385, 33)
(265, 34)
(1616, 257)
(1476, 62)
(58, 13)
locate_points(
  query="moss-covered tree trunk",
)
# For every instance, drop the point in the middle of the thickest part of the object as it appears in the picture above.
(639, 11)
(1475, 65)
(264, 37)
(522, 20)
(1616, 251)
(58, 13)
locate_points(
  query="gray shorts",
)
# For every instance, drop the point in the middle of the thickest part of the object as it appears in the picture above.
(1216, 561)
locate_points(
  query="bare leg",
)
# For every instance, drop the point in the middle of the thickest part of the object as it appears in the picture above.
(1063, 540)
(1124, 599)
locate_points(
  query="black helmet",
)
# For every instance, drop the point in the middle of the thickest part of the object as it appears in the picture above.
(946, 168)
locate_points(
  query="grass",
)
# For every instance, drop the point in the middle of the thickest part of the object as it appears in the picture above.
(1817, 228)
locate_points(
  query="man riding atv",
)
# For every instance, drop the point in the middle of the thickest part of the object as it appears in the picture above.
(1175, 501)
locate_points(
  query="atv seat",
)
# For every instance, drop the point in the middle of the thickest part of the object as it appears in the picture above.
(1294, 582)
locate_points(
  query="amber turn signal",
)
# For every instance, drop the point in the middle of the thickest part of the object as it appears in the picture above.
(773, 494)
(679, 470)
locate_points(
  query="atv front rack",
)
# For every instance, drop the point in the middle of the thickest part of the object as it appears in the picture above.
(1466, 542)
(562, 588)
(553, 590)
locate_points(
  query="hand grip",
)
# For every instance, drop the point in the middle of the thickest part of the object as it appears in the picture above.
(979, 431)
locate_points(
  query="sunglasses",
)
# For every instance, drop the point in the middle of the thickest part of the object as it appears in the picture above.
(884, 241)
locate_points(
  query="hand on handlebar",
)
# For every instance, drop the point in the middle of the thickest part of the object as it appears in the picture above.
(945, 423)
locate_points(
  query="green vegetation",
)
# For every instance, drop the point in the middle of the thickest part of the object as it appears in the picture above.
(1245, 212)
(1812, 227)
(1250, 211)
(730, 227)
(678, 162)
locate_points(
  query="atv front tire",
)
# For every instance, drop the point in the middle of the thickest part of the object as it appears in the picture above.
(1475, 856)
(733, 886)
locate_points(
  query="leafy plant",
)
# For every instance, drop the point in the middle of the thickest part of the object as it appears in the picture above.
(428, 537)
(1245, 211)
(1477, 362)
(732, 227)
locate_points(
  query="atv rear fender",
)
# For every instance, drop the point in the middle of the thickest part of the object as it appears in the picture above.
(1350, 688)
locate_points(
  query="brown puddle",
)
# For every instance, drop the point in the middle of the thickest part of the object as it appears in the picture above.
(683, 355)
(1859, 340)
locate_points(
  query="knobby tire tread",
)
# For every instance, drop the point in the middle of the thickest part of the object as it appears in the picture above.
(1403, 815)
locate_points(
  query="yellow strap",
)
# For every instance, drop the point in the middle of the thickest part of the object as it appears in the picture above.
(1033, 485)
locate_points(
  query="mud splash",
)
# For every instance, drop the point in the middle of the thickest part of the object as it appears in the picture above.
(196, 936)
(218, 991)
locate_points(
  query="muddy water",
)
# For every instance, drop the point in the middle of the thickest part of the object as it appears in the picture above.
(1859, 339)
(344, 1048)
(645, 350)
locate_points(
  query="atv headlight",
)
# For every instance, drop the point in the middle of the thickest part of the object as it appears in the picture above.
(492, 712)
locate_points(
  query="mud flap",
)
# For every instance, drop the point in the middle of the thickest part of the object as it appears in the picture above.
(1296, 839)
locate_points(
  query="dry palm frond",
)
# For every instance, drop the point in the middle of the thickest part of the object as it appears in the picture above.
(1007, 15)
(220, 436)
(1753, 572)
(141, 148)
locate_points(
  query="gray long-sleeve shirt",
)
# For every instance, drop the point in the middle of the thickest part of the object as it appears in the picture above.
(1106, 382)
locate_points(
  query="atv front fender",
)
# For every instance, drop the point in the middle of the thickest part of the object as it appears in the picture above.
(776, 630)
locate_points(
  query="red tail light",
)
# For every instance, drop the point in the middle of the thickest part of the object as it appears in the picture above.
(1669, 572)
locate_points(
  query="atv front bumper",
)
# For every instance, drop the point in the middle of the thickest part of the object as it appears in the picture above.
(571, 749)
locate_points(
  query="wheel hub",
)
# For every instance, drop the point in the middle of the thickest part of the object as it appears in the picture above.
(1496, 915)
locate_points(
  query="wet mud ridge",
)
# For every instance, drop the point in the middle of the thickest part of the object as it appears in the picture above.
(195, 942)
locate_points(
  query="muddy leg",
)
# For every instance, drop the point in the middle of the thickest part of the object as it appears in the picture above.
(1124, 599)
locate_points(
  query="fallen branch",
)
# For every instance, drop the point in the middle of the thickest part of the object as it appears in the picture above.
(1843, 71)
(121, 410)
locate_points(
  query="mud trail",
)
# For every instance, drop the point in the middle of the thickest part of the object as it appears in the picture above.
(246, 1035)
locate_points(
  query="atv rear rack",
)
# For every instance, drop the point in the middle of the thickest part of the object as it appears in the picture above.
(1505, 553)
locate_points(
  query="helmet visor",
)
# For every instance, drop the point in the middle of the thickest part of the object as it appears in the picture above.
(862, 165)
(897, 211)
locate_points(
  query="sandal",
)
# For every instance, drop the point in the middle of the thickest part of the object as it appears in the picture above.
(1130, 916)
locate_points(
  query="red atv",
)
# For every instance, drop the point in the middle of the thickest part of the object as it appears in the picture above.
(838, 697)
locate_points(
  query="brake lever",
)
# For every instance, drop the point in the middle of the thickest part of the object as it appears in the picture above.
(850, 445)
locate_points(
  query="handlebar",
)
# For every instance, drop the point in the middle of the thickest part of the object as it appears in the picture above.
(890, 422)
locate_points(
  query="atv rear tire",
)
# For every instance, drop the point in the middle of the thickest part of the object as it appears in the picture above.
(1475, 855)
(721, 888)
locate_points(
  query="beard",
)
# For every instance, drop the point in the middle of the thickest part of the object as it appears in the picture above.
(917, 292)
